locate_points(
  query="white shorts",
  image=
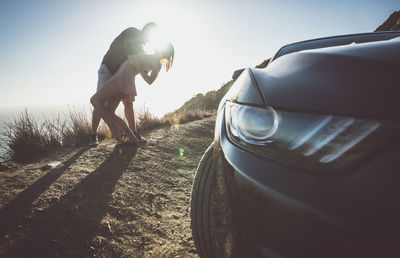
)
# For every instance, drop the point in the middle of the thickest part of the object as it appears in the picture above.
(103, 76)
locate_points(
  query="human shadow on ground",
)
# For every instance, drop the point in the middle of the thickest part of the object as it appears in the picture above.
(19, 208)
(67, 227)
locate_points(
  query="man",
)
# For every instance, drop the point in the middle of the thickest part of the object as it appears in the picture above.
(129, 42)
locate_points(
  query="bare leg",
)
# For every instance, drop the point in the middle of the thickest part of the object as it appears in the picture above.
(112, 105)
(122, 125)
(95, 121)
(109, 91)
(126, 129)
(96, 118)
(129, 114)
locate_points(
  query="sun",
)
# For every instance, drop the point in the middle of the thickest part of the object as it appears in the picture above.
(158, 41)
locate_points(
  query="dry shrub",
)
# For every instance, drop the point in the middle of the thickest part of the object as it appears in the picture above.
(186, 116)
(3, 150)
(103, 132)
(77, 129)
(27, 139)
(146, 121)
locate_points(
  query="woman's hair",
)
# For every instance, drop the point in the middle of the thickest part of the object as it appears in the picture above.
(168, 53)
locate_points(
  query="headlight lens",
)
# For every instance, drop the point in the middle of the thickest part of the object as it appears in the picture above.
(314, 142)
(253, 125)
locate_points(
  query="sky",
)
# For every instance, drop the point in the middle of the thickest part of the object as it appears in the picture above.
(50, 51)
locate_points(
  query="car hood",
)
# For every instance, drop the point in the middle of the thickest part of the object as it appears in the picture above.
(359, 80)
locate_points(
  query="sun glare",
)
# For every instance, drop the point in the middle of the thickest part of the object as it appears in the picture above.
(186, 29)
(157, 41)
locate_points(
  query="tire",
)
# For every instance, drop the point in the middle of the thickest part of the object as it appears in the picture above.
(214, 232)
(200, 206)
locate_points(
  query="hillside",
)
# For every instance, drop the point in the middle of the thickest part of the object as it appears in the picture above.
(392, 23)
(205, 102)
(106, 201)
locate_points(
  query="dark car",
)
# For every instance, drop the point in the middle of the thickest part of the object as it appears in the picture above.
(306, 157)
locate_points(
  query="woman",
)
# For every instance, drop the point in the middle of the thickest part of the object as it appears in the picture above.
(122, 85)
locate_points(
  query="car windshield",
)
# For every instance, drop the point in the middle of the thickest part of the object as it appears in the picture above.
(335, 41)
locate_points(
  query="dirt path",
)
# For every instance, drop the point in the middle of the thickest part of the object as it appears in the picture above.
(106, 201)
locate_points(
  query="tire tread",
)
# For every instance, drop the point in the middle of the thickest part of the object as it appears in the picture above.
(200, 210)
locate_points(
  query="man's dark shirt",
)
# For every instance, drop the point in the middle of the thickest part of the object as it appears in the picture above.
(129, 42)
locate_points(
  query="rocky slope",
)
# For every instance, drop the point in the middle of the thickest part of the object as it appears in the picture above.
(392, 23)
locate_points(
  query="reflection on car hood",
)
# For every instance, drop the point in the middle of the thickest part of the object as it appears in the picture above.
(360, 80)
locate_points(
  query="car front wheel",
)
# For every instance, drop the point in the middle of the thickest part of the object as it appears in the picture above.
(212, 226)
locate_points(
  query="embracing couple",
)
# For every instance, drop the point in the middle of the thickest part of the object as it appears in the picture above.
(116, 81)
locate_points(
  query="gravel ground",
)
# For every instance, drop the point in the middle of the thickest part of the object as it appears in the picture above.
(108, 201)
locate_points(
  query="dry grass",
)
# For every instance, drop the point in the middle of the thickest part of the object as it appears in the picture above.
(26, 139)
(77, 129)
(146, 121)
(186, 116)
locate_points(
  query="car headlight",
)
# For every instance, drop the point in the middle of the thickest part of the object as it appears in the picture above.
(252, 125)
(314, 142)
